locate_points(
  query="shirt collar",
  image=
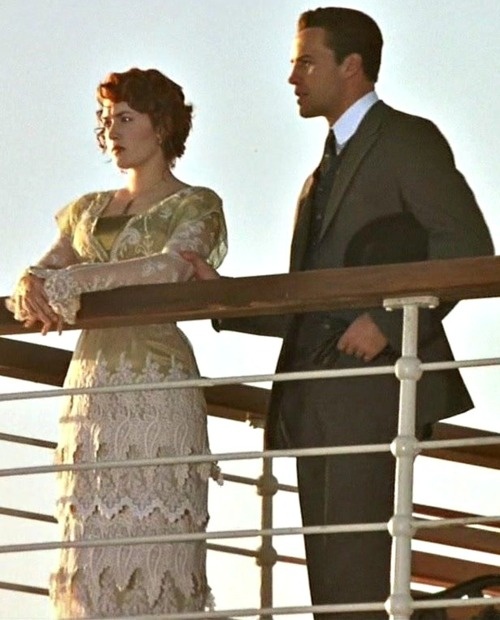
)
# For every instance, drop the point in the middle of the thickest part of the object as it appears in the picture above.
(345, 127)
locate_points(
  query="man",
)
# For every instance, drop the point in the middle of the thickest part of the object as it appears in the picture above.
(387, 190)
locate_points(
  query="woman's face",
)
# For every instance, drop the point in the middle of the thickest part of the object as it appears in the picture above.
(130, 137)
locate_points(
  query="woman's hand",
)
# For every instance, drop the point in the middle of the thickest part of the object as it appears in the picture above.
(32, 304)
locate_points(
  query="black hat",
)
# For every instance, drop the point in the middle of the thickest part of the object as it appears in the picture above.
(395, 238)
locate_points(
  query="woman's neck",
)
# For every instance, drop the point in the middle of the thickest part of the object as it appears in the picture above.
(141, 181)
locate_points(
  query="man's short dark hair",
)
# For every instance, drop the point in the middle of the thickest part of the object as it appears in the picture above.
(348, 32)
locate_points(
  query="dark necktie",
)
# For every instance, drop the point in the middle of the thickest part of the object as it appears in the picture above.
(329, 155)
(322, 185)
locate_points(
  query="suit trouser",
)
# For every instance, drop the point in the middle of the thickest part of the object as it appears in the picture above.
(354, 567)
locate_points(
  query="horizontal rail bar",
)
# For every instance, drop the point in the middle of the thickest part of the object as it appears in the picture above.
(239, 479)
(48, 365)
(316, 609)
(254, 481)
(17, 587)
(418, 523)
(234, 456)
(455, 603)
(27, 441)
(198, 382)
(196, 458)
(471, 363)
(227, 534)
(264, 611)
(250, 553)
(491, 460)
(425, 524)
(195, 536)
(25, 514)
(437, 444)
(240, 379)
(288, 559)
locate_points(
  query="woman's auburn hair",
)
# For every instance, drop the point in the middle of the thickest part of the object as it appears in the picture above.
(150, 92)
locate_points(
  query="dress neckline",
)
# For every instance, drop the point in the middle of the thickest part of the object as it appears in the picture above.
(156, 204)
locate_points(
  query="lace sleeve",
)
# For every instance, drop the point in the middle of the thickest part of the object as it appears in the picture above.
(204, 236)
(59, 256)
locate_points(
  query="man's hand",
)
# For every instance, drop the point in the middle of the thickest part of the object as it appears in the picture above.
(363, 339)
(202, 270)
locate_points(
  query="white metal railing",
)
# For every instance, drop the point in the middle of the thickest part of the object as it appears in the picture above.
(405, 447)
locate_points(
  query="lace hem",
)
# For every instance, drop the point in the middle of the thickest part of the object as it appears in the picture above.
(116, 494)
(139, 578)
(74, 595)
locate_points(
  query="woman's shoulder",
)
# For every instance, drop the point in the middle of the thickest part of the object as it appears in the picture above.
(71, 213)
(188, 202)
(204, 196)
(199, 190)
(82, 201)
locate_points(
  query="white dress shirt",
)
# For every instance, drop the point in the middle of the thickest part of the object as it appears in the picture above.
(345, 127)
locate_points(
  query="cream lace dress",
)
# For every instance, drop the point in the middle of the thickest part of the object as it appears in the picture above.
(137, 579)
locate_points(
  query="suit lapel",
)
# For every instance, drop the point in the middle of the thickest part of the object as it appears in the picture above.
(360, 144)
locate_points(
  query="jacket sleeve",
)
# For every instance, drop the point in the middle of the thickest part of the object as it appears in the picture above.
(268, 325)
(439, 197)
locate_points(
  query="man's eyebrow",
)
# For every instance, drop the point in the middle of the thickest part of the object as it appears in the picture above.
(106, 114)
(302, 57)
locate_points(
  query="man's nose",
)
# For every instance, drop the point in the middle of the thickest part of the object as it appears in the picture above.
(113, 130)
(292, 78)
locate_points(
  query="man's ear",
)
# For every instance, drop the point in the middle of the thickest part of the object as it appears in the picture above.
(352, 64)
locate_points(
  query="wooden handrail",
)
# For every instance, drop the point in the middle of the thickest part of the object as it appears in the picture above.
(445, 572)
(305, 291)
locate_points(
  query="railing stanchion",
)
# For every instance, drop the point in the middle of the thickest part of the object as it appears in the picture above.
(267, 487)
(404, 448)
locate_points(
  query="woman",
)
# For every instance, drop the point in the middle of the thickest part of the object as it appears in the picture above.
(106, 240)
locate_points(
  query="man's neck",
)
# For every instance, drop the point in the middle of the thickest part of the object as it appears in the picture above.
(347, 125)
(349, 100)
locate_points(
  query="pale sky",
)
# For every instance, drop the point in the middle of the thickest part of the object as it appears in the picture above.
(249, 144)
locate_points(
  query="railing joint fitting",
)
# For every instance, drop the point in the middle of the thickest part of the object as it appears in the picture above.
(267, 485)
(405, 446)
(408, 367)
(422, 301)
(256, 421)
(401, 525)
(399, 605)
(266, 556)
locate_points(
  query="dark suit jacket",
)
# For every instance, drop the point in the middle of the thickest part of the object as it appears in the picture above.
(394, 164)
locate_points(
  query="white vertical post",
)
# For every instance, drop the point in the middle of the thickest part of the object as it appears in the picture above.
(405, 448)
(267, 486)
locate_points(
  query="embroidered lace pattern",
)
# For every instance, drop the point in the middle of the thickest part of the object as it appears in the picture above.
(147, 501)
(124, 502)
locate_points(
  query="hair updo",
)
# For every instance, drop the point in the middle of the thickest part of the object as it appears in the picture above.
(150, 92)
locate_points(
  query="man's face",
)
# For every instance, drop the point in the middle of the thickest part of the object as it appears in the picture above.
(320, 83)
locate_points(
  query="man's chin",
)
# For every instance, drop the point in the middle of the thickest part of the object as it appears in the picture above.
(307, 113)
(304, 111)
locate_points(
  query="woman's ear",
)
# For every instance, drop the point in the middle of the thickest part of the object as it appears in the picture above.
(160, 135)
